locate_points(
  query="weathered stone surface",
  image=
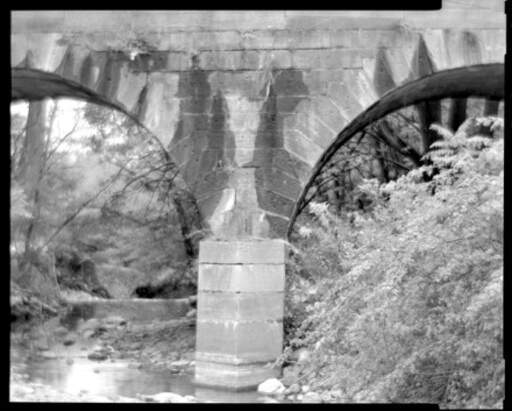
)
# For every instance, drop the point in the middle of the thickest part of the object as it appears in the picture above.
(235, 377)
(251, 340)
(245, 306)
(241, 277)
(297, 143)
(329, 58)
(242, 252)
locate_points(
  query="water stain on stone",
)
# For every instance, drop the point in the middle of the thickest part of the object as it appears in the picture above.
(471, 48)
(282, 94)
(110, 76)
(66, 66)
(202, 137)
(383, 75)
(28, 61)
(428, 112)
(141, 106)
(86, 72)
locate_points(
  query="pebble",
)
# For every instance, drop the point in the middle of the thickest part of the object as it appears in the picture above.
(90, 324)
(88, 333)
(70, 339)
(97, 356)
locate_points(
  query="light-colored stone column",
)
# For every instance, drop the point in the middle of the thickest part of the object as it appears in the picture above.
(240, 312)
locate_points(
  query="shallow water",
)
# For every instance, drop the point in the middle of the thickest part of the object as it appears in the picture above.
(72, 372)
(118, 378)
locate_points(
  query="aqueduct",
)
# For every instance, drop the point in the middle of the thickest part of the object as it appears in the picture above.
(249, 105)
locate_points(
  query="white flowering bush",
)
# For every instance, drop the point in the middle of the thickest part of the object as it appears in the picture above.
(409, 302)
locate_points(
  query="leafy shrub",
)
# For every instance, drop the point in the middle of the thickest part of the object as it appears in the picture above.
(407, 303)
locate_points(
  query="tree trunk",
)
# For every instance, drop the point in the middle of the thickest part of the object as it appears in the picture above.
(32, 161)
(457, 113)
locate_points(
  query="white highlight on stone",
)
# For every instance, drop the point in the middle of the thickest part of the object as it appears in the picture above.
(130, 86)
(272, 386)
(163, 107)
(243, 121)
(225, 204)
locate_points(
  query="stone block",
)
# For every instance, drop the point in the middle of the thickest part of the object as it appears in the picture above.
(216, 40)
(311, 125)
(266, 39)
(241, 277)
(242, 252)
(252, 341)
(317, 81)
(278, 226)
(40, 21)
(282, 160)
(234, 377)
(277, 59)
(244, 306)
(302, 147)
(344, 38)
(328, 58)
(275, 203)
(230, 60)
(280, 182)
(209, 182)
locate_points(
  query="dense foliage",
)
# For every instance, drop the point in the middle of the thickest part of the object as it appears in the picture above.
(88, 182)
(402, 302)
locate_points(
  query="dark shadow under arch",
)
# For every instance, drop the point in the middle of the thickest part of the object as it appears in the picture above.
(481, 80)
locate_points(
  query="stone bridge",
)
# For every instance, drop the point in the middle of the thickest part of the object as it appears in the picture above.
(246, 103)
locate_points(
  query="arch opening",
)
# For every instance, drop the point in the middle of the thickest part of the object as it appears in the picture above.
(44, 92)
(481, 80)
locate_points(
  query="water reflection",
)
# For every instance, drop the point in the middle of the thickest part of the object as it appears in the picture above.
(113, 379)
(109, 379)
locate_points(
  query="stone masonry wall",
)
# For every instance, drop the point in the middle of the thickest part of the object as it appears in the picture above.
(248, 101)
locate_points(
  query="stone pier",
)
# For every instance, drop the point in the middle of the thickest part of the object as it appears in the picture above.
(240, 312)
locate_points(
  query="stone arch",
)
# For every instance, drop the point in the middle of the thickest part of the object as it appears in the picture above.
(481, 80)
(32, 84)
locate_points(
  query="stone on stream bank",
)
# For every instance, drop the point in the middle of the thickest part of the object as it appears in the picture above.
(272, 386)
(137, 310)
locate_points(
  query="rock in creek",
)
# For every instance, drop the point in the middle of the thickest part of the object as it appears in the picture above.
(272, 386)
